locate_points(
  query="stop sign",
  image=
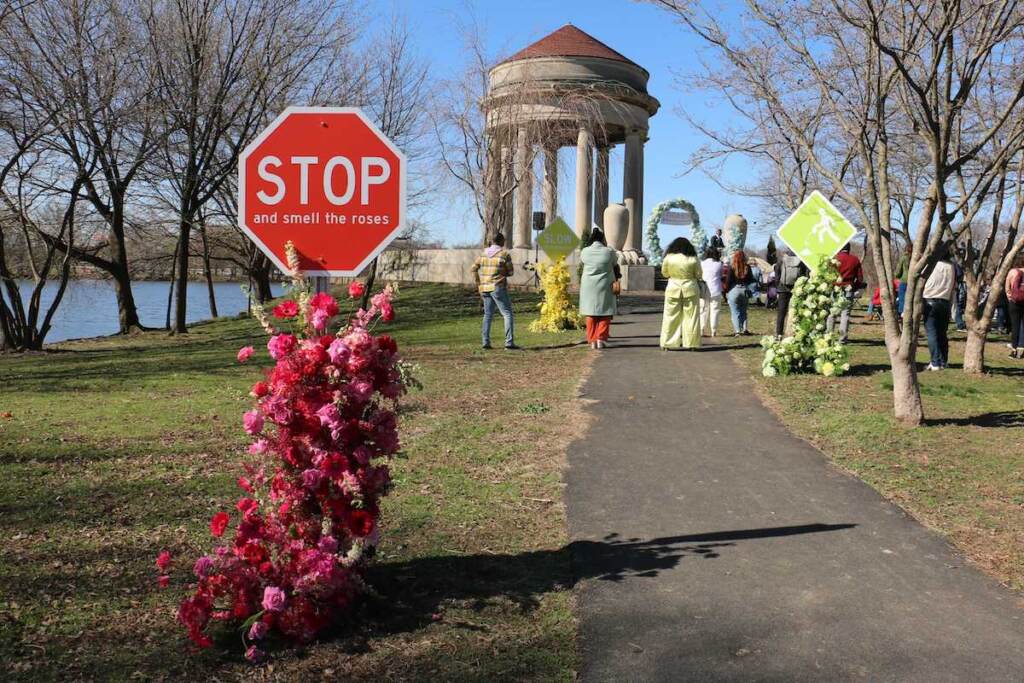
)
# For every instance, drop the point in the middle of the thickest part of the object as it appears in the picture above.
(328, 180)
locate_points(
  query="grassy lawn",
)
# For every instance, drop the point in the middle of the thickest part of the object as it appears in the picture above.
(114, 449)
(961, 474)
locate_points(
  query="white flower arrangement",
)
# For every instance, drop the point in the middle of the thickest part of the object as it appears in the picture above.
(810, 348)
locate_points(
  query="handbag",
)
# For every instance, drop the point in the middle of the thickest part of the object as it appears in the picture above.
(617, 287)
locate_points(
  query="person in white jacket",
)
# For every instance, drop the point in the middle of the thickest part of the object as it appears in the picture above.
(711, 294)
(939, 289)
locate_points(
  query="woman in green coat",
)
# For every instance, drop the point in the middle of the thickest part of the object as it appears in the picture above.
(597, 300)
(680, 324)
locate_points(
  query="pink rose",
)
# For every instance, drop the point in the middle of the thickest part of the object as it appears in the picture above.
(387, 312)
(244, 353)
(259, 447)
(319, 319)
(280, 345)
(253, 422)
(257, 630)
(338, 352)
(254, 654)
(356, 289)
(273, 599)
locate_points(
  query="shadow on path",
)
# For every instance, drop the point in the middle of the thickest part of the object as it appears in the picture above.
(413, 592)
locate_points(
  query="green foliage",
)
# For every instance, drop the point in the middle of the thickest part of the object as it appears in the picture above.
(810, 348)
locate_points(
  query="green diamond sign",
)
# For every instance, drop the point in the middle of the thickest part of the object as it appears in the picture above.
(558, 240)
(816, 229)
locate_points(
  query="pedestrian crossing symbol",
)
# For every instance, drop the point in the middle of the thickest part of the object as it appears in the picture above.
(815, 230)
(558, 240)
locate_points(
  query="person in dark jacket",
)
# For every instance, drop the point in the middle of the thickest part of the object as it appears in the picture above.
(788, 270)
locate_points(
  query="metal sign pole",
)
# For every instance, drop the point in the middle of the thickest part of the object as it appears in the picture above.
(321, 283)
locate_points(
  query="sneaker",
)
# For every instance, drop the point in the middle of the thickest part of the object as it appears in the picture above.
(933, 368)
(486, 347)
(601, 344)
(512, 347)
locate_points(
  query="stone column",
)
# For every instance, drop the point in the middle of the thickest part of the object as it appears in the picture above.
(507, 182)
(638, 233)
(584, 181)
(601, 185)
(524, 191)
(550, 185)
(632, 181)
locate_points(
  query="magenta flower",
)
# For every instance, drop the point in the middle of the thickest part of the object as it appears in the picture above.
(244, 353)
(356, 289)
(273, 599)
(254, 654)
(253, 422)
(163, 560)
(311, 478)
(257, 630)
(202, 566)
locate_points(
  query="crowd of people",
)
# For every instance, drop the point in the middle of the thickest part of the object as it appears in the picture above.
(697, 287)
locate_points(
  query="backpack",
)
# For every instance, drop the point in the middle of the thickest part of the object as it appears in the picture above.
(789, 272)
(1015, 290)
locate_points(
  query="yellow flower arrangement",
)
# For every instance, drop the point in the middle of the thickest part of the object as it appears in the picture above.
(557, 311)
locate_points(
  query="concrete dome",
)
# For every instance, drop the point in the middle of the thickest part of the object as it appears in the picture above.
(566, 76)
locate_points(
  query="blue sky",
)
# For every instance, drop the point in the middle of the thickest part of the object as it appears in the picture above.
(643, 33)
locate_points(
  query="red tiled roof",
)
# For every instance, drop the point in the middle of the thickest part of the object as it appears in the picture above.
(569, 41)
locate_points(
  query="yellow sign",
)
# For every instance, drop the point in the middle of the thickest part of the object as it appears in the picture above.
(558, 240)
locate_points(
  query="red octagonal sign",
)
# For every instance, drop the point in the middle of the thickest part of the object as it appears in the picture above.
(328, 180)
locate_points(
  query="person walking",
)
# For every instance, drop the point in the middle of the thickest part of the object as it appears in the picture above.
(597, 285)
(939, 290)
(851, 281)
(680, 325)
(491, 272)
(711, 293)
(1014, 288)
(788, 270)
(737, 280)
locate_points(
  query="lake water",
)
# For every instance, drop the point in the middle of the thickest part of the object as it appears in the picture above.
(89, 307)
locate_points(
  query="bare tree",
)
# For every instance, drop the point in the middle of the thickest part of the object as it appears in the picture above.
(889, 76)
(85, 64)
(223, 65)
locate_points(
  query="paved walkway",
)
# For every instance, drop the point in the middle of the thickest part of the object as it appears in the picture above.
(711, 545)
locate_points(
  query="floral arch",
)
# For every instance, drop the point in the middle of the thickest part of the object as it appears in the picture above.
(698, 236)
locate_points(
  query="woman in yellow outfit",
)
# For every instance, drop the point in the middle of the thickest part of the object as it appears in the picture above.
(680, 325)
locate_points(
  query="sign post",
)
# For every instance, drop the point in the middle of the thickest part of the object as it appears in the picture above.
(328, 180)
(816, 229)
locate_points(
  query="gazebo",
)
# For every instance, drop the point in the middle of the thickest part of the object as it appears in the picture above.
(567, 89)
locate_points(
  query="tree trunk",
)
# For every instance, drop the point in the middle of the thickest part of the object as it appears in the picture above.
(127, 313)
(974, 352)
(906, 391)
(208, 272)
(181, 288)
(260, 274)
(170, 287)
(369, 285)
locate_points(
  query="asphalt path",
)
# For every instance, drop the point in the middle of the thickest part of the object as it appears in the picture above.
(709, 544)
